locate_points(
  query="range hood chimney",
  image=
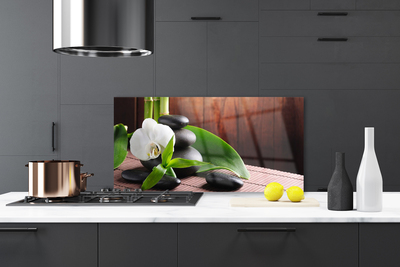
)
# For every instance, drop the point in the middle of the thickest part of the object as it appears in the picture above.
(103, 28)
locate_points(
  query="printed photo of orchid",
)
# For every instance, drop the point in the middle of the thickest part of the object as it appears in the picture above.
(150, 141)
(207, 144)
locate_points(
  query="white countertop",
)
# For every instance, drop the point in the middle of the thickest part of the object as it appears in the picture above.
(211, 208)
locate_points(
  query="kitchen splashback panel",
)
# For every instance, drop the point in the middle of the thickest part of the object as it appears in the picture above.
(267, 133)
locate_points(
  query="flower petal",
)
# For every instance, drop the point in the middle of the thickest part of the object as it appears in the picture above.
(138, 143)
(148, 127)
(162, 135)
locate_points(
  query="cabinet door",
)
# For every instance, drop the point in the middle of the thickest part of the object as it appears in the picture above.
(181, 58)
(319, 76)
(267, 245)
(232, 58)
(48, 245)
(379, 244)
(87, 136)
(28, 75)
(309, 23)
(378, 4)
(86, 80)
(228, 10)
(138, 245)
(309, 49)
(333, 4)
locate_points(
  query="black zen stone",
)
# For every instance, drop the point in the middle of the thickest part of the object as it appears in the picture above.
(150, 164)
(139, 175)
(135, 175)
(224, 181)
(184, 138)
(186, 153)
(174, 121)
(167, 182)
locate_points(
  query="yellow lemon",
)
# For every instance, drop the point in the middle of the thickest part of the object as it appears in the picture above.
(295, 193)
(273, 191)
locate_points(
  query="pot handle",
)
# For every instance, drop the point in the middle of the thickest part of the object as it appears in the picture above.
(86, 175)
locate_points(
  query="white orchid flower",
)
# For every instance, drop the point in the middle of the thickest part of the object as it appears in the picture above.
(150, 141)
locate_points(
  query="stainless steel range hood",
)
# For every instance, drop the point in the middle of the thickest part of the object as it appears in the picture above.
(103, 28)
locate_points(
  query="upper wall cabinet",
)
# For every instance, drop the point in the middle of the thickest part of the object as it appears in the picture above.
(97, 81)
(329, 24)
(228, 10)
(28, 78)
(378, 4)
(307, 4)
(206, 48)
(325, 48)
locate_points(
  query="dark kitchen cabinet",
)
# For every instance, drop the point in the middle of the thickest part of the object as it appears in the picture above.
(48, 245)
(330, 50)
(318, 23)
(96, 81)
(181, 60)
(379, 244)
(28, 88)
(199, 55)
(267, 245)
(378, 4)
(306, 4)
(137, 244)
(86, 135)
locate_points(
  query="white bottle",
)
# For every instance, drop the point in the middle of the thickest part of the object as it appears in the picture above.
(369, 177)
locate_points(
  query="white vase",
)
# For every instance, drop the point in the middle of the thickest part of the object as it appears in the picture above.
(369, 177)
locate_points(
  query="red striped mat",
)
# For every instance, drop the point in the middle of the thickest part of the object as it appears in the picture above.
(259, 178)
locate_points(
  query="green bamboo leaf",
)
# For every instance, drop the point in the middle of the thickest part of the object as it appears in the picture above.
(211, 167)
(184, 163)
(152, 179)
(167, 153)
(130, 135)
(170, 172)
(218, 152)
(120, 144)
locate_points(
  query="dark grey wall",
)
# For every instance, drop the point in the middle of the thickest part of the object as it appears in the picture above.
(82, 91)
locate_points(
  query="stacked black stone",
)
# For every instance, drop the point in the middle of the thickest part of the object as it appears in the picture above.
(140, 174)
(182, 149)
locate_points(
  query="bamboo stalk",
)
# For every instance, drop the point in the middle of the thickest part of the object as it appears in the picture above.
(156, 101)
(164, 106)
(148, 107)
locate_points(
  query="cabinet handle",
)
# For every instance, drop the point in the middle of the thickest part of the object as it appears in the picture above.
(206, 18)
(333, 13)
(18, 229)
(266, 229)
(332, 39)
(52, 136)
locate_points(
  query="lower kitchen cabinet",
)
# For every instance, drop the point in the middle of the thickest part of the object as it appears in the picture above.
(147, 245)
(379, 244)
(268, 245)
(48, 245)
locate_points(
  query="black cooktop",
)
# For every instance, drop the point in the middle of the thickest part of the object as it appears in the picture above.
(117, 197)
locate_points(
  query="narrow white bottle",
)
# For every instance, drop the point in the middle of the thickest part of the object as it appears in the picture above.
(369, 177)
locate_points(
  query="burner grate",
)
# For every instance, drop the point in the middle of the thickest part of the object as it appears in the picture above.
(109, 196)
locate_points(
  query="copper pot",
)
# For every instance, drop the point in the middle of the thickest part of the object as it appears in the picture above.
(56, 178)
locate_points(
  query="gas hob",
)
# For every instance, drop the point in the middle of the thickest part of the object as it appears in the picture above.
(117, 197)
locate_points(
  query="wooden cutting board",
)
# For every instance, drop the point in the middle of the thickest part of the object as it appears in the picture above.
(263, 202)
